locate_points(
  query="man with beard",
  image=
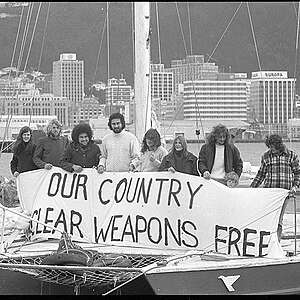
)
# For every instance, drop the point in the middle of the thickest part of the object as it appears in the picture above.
(50, 148)
(119, 148)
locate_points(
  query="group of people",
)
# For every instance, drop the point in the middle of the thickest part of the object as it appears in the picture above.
(219, 159)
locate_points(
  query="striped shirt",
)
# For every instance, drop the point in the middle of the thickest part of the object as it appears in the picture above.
(278, 170)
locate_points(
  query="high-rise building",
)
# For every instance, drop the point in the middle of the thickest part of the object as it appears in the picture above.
(215, 100)
(272, 99)
(162, 88)
(68, 78)
(117, 94)
(192, 67)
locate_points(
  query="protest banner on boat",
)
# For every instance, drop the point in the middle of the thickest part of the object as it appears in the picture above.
(158, 210)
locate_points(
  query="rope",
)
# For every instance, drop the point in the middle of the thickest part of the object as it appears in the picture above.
(179, 19)
(253, 36)
(158, 32)
(32, 36)
(100, 47)
(226, 29)
(190, 29)
(25, 32)
(44, 34)
(16, 40)
(107, 38)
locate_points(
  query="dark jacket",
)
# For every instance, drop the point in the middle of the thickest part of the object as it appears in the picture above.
(76, 155)
(49, 150)
(232, 158)
(22, 162)
(189, 163)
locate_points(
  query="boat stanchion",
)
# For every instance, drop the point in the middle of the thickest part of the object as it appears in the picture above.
(295, 223)
(2, 230)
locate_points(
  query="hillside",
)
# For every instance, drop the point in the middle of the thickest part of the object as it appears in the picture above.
(76, 27)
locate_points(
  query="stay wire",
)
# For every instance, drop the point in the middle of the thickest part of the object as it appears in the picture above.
(32, 35)
(25, 32)
(44, 34)
(224, 32)
(253, 36)
(100, 47)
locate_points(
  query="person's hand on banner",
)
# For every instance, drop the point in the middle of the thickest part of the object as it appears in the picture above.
(206, 175)
(77, 168)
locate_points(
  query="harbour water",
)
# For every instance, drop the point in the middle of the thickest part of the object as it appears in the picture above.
(250, 152)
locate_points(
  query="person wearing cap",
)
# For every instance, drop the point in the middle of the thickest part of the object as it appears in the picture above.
(50, 148)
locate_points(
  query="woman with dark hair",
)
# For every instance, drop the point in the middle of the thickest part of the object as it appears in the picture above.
(180, 159)
(152, 152)
(23, 152)
(82, 152)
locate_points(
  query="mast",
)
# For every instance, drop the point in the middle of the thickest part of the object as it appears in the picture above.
(142, 68)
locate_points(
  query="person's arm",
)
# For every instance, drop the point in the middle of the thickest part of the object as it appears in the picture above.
(37, 156)
(260, 176)
(237, 162)
(163, 152)
(296, 170)
(164, 166)
(98, 154)
(65, 161)
(202, 161)
(14, 164)
(103, 155)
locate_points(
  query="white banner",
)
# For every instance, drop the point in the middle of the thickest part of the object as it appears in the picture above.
(157, 210)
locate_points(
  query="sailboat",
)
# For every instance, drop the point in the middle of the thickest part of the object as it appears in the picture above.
(139, 233)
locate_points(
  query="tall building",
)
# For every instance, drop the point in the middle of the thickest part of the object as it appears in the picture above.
(117, 94)
(215, 100)
(162, 88)
(68, 78)
(272, 99)
(192, 67)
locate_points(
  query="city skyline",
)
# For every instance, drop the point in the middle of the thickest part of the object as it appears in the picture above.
(77, 27)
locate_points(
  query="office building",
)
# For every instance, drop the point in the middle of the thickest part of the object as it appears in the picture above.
(272, 99)
(192, 67)
(117, 94)
(215, 100)
(162, 89)
(68, 78)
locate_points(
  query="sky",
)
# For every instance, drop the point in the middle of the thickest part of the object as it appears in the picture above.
(223, 29)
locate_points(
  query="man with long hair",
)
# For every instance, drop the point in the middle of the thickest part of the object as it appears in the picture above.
(279, 169)
(50, 148)
(119, 148)
(219, 156)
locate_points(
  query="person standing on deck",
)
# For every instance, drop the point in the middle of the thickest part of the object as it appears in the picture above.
(279, 169)
(119, 148)
(219, 157)
(50, 148)
(82, 152)
(152, 152)
(23, 152)
(179, 159)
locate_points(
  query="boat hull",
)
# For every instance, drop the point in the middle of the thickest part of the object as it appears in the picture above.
(269, 279)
